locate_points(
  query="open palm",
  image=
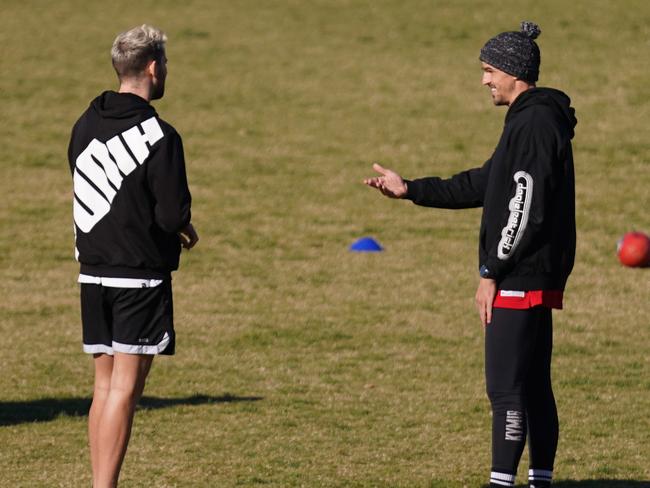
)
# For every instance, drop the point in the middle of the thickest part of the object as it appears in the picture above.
(389, 183)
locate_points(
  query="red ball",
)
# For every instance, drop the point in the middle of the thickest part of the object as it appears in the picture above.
(633, 250)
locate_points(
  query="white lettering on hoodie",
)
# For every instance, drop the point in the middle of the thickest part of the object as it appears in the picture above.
(102, 163)
(519, 207)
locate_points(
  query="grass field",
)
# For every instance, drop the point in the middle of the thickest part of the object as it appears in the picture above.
(299, 363)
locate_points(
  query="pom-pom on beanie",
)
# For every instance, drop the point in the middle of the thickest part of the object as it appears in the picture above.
(516, 53)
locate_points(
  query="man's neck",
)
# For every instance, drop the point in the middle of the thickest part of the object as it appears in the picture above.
(520, 87)
(140, 89)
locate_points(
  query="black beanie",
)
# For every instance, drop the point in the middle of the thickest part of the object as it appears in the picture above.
(516, 53)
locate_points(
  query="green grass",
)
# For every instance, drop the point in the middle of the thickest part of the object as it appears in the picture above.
(298, 363)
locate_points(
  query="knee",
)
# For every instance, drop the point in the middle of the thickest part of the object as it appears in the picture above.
(507, 400)
(128, 382)
(101, 390)
(128, 391)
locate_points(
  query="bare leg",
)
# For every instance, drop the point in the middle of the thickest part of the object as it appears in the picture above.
(103, 372)
(114, 429)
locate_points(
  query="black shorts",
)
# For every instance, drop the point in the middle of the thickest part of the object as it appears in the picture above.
(128, 320)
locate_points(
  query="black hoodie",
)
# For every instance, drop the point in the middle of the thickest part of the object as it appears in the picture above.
(130, 189)
(528, 236)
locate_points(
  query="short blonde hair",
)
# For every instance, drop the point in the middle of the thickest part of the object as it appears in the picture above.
(133, 49)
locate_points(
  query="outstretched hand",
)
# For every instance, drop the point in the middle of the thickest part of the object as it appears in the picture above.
(389, 183)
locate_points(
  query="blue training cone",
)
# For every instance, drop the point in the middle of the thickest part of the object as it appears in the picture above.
(366, 244)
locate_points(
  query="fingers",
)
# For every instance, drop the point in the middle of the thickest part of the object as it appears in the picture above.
(482, 313)
(482, 309)
(379, 184)
(485, 299)
(377, 181)
(379, 168)
(389, 184)
(373, 182)
(189, 237)
(193, 239)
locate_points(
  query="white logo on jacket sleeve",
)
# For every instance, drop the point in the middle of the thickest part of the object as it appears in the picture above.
(105, 166)
(519, 207)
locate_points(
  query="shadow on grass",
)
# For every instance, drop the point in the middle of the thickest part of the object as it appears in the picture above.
(46, 409)
(600, 483)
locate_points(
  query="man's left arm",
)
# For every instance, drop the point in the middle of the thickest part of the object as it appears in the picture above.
(168, 184)
(531, 184)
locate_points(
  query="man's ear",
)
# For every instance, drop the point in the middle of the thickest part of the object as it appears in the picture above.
(151, 68)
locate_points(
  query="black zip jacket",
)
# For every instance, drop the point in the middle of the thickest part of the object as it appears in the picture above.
(528, 236)
(130, 189)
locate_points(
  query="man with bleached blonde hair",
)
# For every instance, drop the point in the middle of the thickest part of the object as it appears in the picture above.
(133, 51)
(132, 215)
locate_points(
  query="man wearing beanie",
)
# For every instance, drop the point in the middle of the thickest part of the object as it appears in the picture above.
(526, 247)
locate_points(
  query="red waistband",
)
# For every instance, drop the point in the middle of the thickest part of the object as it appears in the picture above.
(522, 300)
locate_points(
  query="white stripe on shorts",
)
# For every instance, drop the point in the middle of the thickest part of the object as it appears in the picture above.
(118, 282)
(142, 349)
(98, 349)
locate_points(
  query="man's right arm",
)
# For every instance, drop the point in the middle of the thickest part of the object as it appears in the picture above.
(463, 190)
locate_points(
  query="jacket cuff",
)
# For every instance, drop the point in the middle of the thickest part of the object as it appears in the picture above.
(494, 269)
(411, 190)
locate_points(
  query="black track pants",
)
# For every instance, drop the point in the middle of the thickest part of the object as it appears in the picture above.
(518, 347)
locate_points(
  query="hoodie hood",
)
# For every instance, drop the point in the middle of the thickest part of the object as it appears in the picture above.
(113, 105)
(557, 101)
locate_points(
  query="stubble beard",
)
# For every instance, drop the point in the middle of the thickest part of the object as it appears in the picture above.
(497, 99)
